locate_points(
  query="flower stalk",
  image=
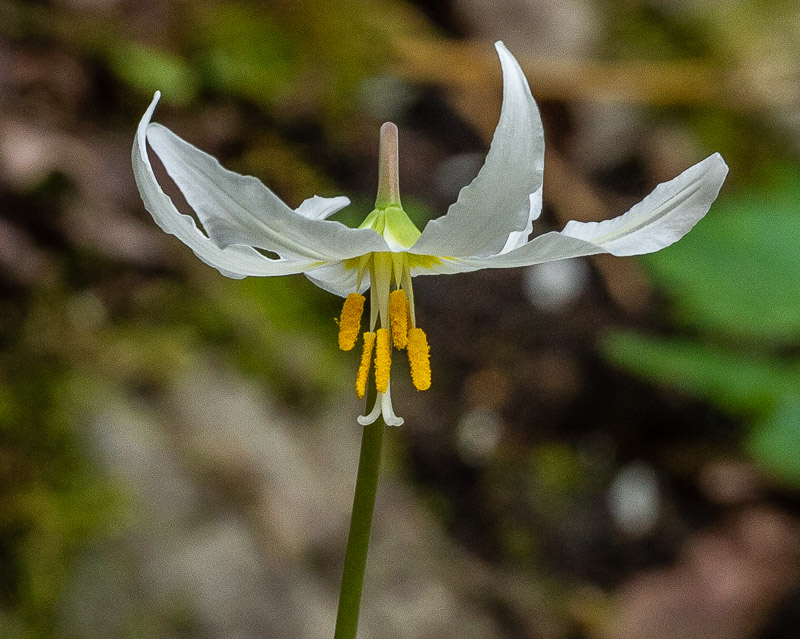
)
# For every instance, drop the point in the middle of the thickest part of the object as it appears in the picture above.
(355, 560)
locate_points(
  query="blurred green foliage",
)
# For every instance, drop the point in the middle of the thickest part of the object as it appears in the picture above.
(149, 69)
(51, 497)
(246, 53)
(56, 373)
(735, 285)
(88, 331)
(105, 326)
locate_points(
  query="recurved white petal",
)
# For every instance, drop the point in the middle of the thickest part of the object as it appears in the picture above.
(663, 217)
(239, 209)
(233, 261)
(544, 248)
(338, 279)
(321, 208)
(496, 203)
(518, 238)
(659, 220)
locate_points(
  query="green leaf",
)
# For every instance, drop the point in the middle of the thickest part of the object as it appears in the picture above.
(740, 382)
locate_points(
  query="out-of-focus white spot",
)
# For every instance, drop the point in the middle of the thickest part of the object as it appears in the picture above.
(27, 154)
(478, 435)
(553, 285)
(634, 500)
(455, 172)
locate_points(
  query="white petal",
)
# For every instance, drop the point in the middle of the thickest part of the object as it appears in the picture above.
(659, 220)
(234, 261)
(496, 203)
(518, 238)
(663, 217)
(321, 208)
(239, 209)
(336, 278)
(544, 248)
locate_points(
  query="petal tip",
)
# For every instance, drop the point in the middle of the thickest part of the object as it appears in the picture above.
(720, 160)
(502, 49)
(715, 168)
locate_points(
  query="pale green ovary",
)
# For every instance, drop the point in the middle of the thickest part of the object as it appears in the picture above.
(394, 225)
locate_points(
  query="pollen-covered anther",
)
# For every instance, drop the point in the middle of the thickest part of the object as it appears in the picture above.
(350, 321)
(399, 314)
(363, 367)
(383, 360)
(419, 359)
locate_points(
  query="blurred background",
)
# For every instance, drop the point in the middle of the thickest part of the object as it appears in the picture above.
(611, 447)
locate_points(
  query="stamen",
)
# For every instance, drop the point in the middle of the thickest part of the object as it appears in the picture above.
(363, 367)
(383, 360)
(399, 315)
(350, 321)
(419, 359)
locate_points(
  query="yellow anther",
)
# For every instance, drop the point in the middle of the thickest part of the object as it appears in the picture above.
(399, 314)
(363, 367)
(419, 359)
(350, 322)
(383, 360)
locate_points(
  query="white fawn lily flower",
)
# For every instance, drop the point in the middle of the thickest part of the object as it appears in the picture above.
(245, 225)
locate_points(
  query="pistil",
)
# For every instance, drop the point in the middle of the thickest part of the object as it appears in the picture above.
(388, 164)
(392, 321)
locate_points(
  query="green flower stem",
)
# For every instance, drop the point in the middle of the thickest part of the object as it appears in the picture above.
(355, 559)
